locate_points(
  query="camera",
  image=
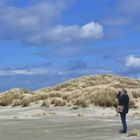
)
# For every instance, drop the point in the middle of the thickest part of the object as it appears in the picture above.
(119, 92)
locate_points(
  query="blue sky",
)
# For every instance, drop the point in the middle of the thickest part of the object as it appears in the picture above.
(44, 42)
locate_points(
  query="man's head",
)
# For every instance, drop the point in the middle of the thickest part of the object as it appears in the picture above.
(124, 91)
(121, 91)
(118, 92)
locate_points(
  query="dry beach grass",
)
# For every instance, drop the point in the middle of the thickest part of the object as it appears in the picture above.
(84, 91)
(134, 133)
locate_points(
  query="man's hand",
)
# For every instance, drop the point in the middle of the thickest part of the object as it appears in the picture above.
(118, 93)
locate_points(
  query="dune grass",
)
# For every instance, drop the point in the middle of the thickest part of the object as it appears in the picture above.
(46, 103)
(134, 133)
(8, 97)
(85, 91)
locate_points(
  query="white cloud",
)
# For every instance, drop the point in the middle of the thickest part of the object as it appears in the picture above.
(67, 34)
(92, 30)
(132, 61)
(35, 24)
(117, 21)
(130, 7)
(30, 18)
(125, 12)
(15, 72)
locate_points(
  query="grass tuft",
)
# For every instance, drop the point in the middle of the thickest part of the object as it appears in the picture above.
(134, 133)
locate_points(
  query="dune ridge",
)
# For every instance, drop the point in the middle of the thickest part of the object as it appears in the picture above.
(84, 91)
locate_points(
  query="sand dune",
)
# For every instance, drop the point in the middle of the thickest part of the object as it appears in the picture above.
(84, 91)
(81, 108)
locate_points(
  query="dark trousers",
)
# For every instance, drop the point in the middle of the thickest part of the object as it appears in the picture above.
(123, 119)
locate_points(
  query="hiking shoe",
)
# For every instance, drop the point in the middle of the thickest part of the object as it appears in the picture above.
(122, 131)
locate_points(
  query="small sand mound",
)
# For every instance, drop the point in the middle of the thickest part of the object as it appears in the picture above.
(40, 114)
(134, 133)
(136, 114)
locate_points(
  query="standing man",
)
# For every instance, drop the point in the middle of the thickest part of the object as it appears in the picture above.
(123, 99)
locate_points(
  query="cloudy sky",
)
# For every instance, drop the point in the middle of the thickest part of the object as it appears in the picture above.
(44, 42)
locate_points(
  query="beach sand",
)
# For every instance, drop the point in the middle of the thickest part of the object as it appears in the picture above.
(63, 123)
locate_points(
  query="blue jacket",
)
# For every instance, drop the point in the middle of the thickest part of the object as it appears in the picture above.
(124, 101)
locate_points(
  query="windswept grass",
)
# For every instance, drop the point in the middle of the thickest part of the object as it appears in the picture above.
(81, 101)
(105, 97)
(134, 133)
(84, 91)
(46, 103)
(8, 97)
(58, 101)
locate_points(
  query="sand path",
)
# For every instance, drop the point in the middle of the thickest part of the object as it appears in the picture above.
(60, 124)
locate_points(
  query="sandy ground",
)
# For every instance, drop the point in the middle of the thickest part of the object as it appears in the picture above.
(63, 123)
